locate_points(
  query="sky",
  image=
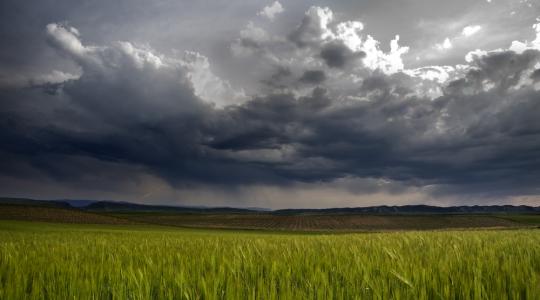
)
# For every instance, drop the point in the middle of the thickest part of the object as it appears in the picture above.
(275, 104)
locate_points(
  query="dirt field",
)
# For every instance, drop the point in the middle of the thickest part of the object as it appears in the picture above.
(53, 214)
(327, 222)
(269, 221)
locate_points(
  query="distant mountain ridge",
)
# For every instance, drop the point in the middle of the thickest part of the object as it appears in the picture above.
(111, 206)
(117, 206)
(27, 201)
(419, 209)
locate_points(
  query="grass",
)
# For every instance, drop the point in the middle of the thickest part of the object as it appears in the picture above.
(54, 261)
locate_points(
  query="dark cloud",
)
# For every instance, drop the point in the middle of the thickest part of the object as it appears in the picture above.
(337, 55)
(503, 69)
(470, 135)
(280, 78)
(313, 77)
(536, 75)
(326, 118)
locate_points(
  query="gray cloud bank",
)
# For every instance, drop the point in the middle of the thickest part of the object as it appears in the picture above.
(331, 112)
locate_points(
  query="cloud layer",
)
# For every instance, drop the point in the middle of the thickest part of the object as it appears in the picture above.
(326, 110)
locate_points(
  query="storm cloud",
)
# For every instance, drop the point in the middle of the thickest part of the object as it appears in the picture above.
(323, 105)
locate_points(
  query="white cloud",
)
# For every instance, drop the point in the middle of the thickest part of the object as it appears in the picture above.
(316, 31)
(54, 77)
(208, 86)
(123, 60)
(445, 45)
(471, 30)
(271, 11)
(516, 46)
(319, 29)
(387, 62)
(519, 47)
(140, 57)
(254, 33)
(315, 25)
(436, 73)
(348, 32)
(22, 80)
(472, 55)
(66, 38)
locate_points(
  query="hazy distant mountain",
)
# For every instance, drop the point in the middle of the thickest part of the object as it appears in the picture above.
(78, 203)
(418, 209)
(118, 206)
(111, 206)
(26, 201)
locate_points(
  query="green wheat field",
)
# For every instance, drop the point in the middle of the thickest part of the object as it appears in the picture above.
(53, 261)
